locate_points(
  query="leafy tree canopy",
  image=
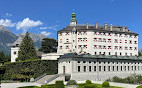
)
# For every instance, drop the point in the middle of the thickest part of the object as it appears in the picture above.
(27, 49)
(48, 45)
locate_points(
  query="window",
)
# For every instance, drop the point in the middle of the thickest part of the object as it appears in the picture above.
(79, 39)
(104, 40)
(94, 68)
(115, 34)
(67, 33)
(120, 41)
(100, 39)
(135, 36)
(14, 52)
(112, 68)
(125, 68)
(84, 61)
(130, 54)
(79, 33)
(135, 42)
(135, 48)
(84, 39)
(109, 34)
(78, 68)
(120, 47)
(67, 40)
(84, 33)
(100, 47)
(89, 68)
(125, 41)
(126, 48)
(108, 68)
(84, 68)
(78, 61)
(115, 53)
(130, 41)
(95, 33)
(121, 68)
(95, 53)
(60, 40)
(104, 47)
(120, 54)
(60, 34)
(79, 46)
(109, 53)
(109, 47)
(95, 39)
(125, 54)
(100, 33)
(67, 47)
(116, 41)
(128, 68)
(60, 47)
(84, 46)
(126, 35)
(130, 48)
(100, 53)
(99, 68)
(109, 40)
(95, 46)
(104, 68)
(104, 53)
(117, 68)
(116, 47)
(120, 35)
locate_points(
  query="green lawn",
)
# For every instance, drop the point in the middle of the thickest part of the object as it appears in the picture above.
(80, 86)
(97, 86)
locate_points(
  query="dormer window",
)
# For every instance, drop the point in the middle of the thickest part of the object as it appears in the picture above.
(17, 44)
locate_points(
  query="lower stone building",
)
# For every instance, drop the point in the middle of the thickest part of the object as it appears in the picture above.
(98, 67)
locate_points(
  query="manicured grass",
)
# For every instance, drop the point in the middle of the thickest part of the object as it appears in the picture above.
(80, 86)
(97, 86)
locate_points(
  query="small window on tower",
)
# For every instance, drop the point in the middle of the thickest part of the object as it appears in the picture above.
(14, 52)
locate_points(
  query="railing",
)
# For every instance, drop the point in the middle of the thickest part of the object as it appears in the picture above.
(52, 78)
(40, 77)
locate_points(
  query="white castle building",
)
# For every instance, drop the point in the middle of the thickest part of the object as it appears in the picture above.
(94, 52)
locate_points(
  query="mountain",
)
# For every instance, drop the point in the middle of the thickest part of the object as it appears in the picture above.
(6, 39)
(37, 38)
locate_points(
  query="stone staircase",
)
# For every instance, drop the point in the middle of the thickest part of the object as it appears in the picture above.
(50, 79)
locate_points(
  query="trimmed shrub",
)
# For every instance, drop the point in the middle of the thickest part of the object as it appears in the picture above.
(24, 70)
(29, 87)
(71, 82)
(88, 81)
(44, 86)
(82, 84)
(139, 87)
(59, 84)
(90, 86)
(105, 84)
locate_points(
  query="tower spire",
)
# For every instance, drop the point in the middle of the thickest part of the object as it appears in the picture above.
(73, 20)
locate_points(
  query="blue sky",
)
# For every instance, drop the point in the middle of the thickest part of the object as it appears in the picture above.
(49, 16)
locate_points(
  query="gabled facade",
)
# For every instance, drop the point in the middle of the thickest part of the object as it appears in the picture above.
(97, 39)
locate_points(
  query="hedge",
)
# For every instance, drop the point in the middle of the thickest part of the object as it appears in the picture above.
(59, 84)
(25, 70)
(105, 84)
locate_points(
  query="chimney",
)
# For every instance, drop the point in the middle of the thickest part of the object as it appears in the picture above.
(96, 25)
(111, 27)
(87, 25)
(105, 25)
(123, 28)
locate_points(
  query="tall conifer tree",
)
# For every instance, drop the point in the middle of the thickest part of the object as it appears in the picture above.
(27, 50)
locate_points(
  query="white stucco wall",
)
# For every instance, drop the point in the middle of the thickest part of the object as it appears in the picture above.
(14, 56)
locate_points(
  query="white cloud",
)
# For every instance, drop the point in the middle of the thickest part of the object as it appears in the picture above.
(8, 14)
(27, 24)
(50, 27)
(45, 33)
(7, 23)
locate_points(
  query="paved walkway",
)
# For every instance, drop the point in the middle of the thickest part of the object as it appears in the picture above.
(15, 85)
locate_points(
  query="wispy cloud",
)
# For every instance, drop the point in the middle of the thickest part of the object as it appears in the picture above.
(8, 14)
(50, 27)
(7, 23)
(45, 33)
(27, 24)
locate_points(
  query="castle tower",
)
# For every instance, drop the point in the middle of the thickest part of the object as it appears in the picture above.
(73, 20)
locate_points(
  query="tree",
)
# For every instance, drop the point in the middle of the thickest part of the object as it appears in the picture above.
(27, 50)
(48, 45)
(4, 58)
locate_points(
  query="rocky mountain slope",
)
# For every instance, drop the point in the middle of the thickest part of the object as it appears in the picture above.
(7, 38)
